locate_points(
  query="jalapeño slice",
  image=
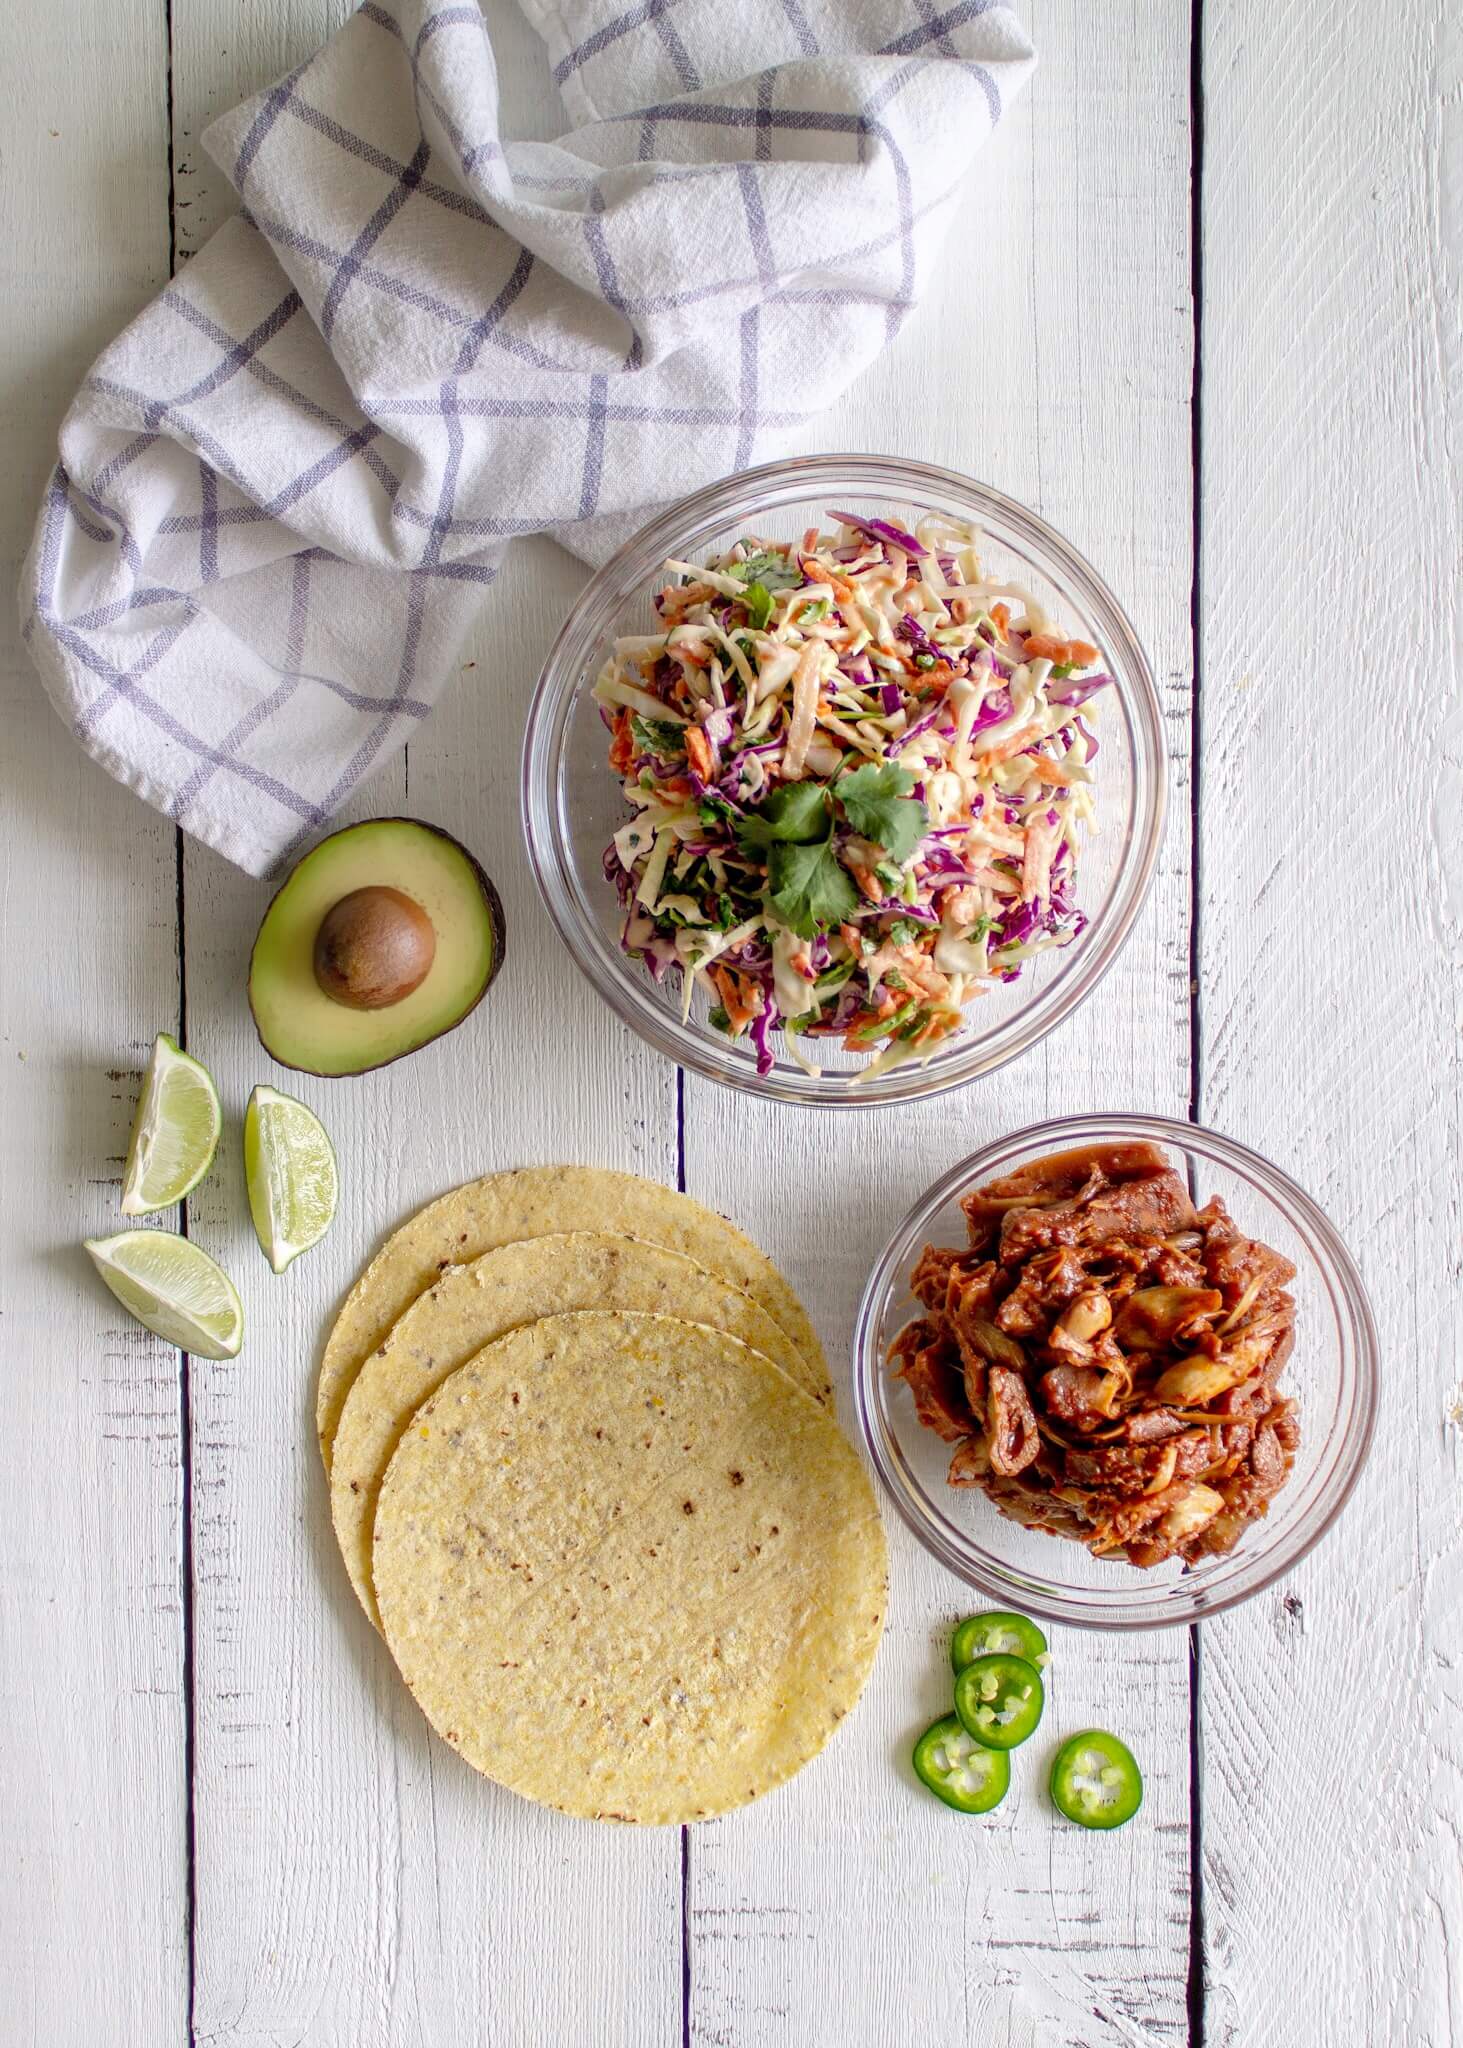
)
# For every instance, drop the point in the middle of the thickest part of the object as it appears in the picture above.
(959, 1770)
(1096, 1781)
(999, 1700)
(981, 1634)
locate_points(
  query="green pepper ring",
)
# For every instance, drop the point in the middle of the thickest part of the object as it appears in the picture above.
(1013, 1634)
(996, 1685)
(1076, 1800)
(937, 1777)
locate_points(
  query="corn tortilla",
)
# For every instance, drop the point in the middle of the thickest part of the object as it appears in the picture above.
(471, 1305)
(534, 1202)
(628, 1569)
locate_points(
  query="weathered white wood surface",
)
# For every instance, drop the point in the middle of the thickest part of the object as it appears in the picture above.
(1331, 972)
(331, 1875)
(93, 1762)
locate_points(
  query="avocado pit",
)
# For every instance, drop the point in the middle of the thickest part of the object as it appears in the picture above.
(373, 948)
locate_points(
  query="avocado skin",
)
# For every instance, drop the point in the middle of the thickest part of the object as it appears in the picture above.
(496, 920)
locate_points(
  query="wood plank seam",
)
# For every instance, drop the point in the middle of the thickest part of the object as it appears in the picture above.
(1195, 1988)
(185, 1363)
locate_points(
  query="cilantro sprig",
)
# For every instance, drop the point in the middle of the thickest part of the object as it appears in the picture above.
(808, 886)
(877, 803)
(796, 813)
(811, 889)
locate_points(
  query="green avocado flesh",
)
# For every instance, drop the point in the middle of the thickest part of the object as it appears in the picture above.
(303, 1027)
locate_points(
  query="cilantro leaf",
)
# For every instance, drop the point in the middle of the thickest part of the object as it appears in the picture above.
(773, 572)
(658, 736)
(877, 803)
(756, 601)
(810, 890)
(795, 813)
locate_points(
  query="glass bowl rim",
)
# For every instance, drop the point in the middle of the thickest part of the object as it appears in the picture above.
(1356, 1332)
(563, 678)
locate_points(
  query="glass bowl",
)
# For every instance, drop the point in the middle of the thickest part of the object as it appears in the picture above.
(572, 803)
(1332, 1372)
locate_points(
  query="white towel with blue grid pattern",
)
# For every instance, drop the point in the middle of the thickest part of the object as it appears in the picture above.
(282, 491)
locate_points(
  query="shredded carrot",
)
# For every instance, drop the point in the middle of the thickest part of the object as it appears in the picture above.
(862, 1019)
(1051, 772)
(1000, 617)
(698, 752)
(622, 746)
(818, 571)
(741, 1000)
(935, 1027)
(1016, 743)
(1080, 653)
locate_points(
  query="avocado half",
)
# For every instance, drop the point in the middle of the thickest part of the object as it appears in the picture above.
(381, 938)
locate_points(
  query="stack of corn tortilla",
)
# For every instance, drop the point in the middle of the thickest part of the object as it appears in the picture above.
(587, 1483)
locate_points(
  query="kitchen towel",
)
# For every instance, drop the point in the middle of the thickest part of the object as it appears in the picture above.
(282, 492)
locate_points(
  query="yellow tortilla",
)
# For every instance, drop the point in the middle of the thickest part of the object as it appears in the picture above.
(471, 1305)
(628, 1569)
(537, 1201)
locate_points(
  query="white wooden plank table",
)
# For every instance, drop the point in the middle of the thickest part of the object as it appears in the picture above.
(1204, 310)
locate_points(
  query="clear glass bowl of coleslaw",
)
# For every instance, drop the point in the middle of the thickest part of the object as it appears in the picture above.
(1332, 1375)
(574, 803)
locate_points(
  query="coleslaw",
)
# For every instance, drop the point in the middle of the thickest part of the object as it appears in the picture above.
(858, 769)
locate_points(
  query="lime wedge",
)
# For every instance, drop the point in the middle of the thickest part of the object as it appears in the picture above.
(289, 1165)
(173, 1288)
(175, 1134)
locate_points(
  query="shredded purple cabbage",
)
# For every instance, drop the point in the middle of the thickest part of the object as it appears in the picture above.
(996, 707)
(881, 529)
(1075, 690)
(896, 906)
(911, 630)
(761, 1024)
(1019, 924)
(718, 727)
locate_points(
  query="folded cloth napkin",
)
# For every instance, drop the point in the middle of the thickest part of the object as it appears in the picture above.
(281, 492)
